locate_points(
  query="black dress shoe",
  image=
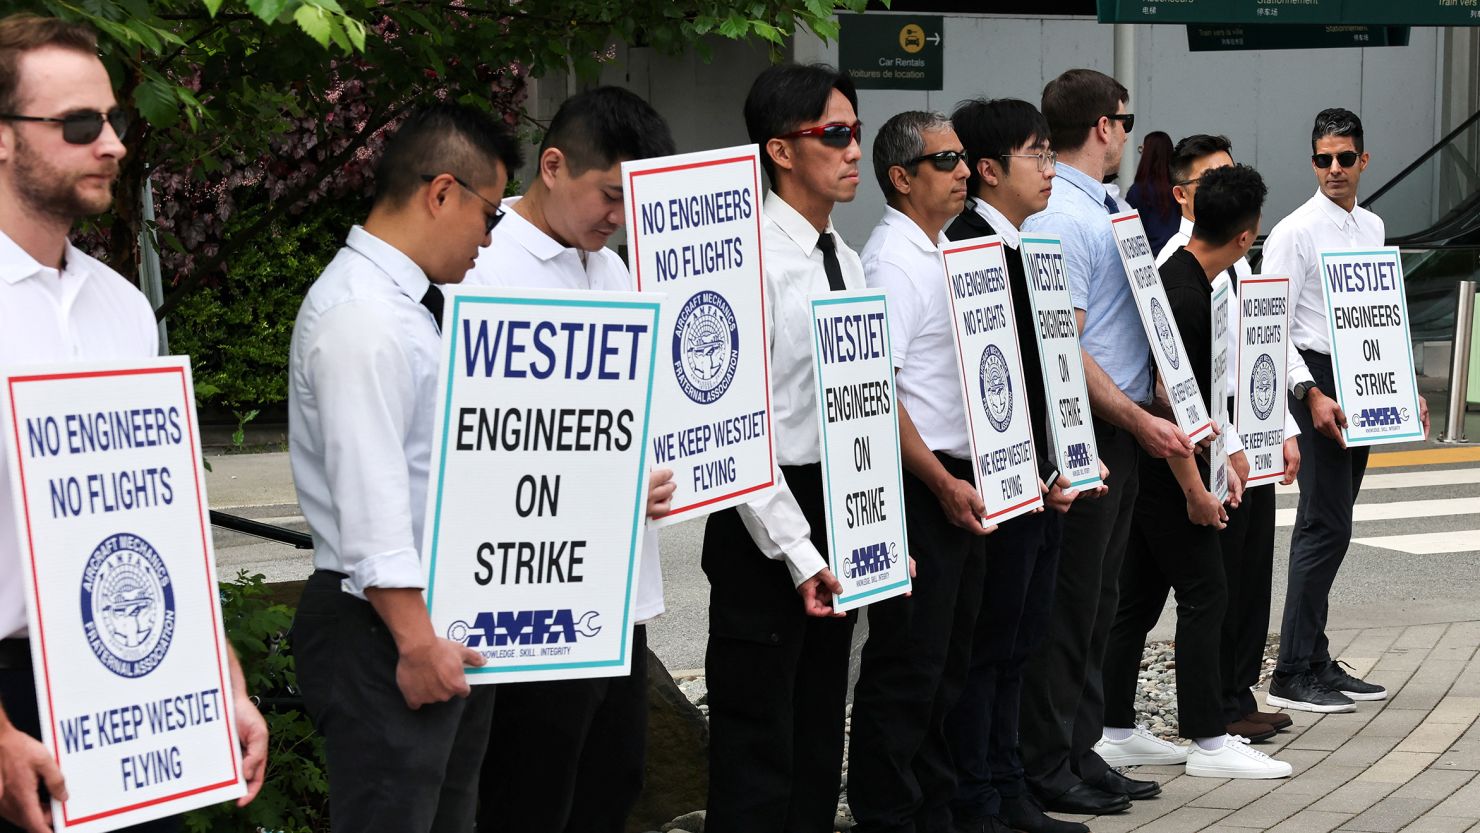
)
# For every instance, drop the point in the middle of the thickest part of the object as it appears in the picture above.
(1026, 814)
(1114, 782)
(1082, 799)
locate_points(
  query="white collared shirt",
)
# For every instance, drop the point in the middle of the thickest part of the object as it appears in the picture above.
(794, 273)
(1009, 233)
(85, 312)
(1293, 250)
(1242, 270)
(520, 256)
(900, 259)
(362, 386)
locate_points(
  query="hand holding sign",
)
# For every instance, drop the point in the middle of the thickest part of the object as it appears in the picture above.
(25, 764)
(1327, 415)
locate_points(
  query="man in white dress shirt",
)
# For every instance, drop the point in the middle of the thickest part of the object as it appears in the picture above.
(1306, 677)
(1248, 540)
(900, 775)
(567, 755)
(403, 732)
(777, 659)
(61, 139)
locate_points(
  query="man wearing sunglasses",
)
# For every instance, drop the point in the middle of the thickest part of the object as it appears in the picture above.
(1306, 677)
(914, 664)
(567, 755)
(778, 655)
(1063, 696)
(403, 731)
(61, 139)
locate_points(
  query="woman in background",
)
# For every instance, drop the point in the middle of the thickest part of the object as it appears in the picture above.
(1152, 192)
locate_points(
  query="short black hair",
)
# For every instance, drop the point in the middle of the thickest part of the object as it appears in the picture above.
(1074, 102)
(600, 127)
(445, 138)
(1195, 147)
(1337, 121)
(1227, 203)
(784, 97)
(991, 129)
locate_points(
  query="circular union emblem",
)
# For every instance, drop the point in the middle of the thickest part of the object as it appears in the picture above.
(1164, 335)
(1262, 388)
(128, 605)
(706, 343)
(996, 387)
(458, 632)
(912, 38)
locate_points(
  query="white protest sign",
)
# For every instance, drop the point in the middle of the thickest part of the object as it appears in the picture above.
(1071, 431)
(992, 388)
(694, 233)
(1264, 315)
(1161, 327)
(133, 684)
(1217, 383)
(862, 476)
(1371, 354)
(539, 479)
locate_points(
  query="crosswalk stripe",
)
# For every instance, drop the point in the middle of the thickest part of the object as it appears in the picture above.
(1406, 480)
(1398, 510)
(1427, 543)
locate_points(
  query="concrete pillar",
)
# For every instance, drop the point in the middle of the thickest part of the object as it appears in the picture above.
(1125, 73)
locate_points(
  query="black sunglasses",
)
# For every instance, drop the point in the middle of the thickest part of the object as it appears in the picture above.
(489, 220)
(1129, 119)
(83, 127)
(946, 160)
(1347, 158)
(834, 134)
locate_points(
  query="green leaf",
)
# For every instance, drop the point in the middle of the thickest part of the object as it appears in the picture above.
(213, 6)
(268, 11)
(157, 103)
(314, 22)
(356, 31)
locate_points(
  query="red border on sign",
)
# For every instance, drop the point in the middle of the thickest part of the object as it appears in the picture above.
(761, 261)
(1239, 358)
(68, 821)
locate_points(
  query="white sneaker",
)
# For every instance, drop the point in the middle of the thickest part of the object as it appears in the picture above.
(1140, 749)
(1235, 759)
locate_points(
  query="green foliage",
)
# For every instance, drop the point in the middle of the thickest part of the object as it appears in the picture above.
(294, 797)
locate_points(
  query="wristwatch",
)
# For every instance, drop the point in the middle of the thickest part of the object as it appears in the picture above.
(1302, 389)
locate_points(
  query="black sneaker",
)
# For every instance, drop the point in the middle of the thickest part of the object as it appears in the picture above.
(1333, 677)
(1303, 692)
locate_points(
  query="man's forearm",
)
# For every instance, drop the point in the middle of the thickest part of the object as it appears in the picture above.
(1107, 401)
(917, 457)
(404, 612)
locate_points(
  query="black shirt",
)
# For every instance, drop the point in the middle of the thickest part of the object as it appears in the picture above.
(965, 227)
(1190, 294)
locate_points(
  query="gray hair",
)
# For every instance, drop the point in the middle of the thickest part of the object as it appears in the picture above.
(901, 139)
(1336, 121)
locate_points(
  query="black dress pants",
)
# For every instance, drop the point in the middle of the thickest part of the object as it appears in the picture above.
(1168, 551)
(1248, 569)
(901, 778)
(1330, 478)
(567, 755)
(1063, 703)
(1017, 595)
(391, 769)
(777, 680)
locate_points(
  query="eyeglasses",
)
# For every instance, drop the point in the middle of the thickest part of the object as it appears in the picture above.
(1347, 158)
(82, 127)
(1184, 183)
(1046, 158)
(489, 220)
(1127, 119)
(833, 134)
(946, 160)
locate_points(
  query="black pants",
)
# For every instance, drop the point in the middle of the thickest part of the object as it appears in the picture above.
(900, 775)
(1330, 477)
(567, 755)
(777, 680)
(1248, 568)
(391, 768)
(18, 696)
(1168, 551)
(1063, 706)
(1017, 595)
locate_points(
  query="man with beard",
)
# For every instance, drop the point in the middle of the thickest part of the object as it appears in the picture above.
(61, 138)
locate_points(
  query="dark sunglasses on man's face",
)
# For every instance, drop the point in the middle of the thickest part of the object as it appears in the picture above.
(82, 127)
(490, 220)
(1128, 119)
(833, 134)
(946, 160)
(1347, 158)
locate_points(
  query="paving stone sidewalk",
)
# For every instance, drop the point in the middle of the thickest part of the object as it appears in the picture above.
(1405, 764)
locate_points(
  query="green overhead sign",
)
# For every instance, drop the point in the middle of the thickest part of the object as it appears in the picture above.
(1328, 12)
(1226, 37)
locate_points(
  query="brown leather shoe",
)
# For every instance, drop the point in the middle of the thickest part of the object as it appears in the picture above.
(1275, 720)
(1254, 732)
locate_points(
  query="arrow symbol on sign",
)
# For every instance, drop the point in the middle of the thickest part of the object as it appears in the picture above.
(934, 38)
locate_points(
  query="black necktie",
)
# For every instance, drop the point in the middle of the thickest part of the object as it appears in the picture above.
(1110, 205)
(433, 302)
(830, 264)
(1233, 276)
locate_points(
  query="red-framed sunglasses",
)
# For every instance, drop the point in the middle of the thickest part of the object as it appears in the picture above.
(834, 135)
